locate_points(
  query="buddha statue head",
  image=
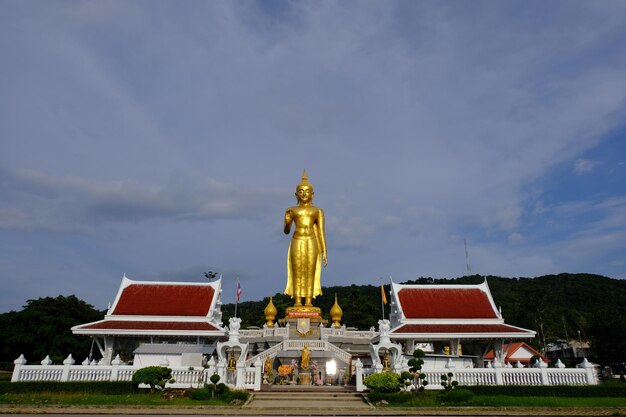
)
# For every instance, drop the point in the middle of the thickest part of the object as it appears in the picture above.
(304, 190)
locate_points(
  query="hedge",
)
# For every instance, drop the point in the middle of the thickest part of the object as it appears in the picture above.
(391, 397)
(222, 392)
(99, 387)
(603, 390)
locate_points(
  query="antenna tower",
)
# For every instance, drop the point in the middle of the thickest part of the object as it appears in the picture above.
(467, 264)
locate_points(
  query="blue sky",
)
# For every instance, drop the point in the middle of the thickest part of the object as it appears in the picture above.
(164, 139)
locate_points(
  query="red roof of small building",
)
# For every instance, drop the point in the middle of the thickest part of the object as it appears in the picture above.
(430, 302)
(164, 300)
(458, 328)
(514, 348)
(148, 325)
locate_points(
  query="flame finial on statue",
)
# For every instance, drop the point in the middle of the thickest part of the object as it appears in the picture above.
(305, 181)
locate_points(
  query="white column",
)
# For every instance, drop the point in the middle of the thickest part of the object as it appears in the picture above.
(108, 350)
(19, 362)
(498, 355)
(239, 379)
(67, 363)
(221, 370)
(359, 376)
(258, 374)
(543, 367)
(115, 369)
(587, 366)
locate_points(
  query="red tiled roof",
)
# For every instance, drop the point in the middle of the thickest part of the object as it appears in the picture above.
(149, 325)
(445, 303)
(457, 328)
(514, 348)
(165, 300)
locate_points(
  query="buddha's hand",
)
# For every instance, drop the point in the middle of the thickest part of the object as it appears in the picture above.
(324, 259)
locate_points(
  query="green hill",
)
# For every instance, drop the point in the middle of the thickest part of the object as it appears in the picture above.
(555, 306)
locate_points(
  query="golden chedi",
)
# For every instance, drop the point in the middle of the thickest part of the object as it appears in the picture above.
(336, 313)
(270, 313)
(307, 251)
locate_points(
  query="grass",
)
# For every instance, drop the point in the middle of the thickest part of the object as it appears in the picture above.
(80, 398)
(437, 399)
(507, 401)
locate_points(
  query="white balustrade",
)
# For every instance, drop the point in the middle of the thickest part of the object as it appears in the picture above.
(508, 376)
(249, 376)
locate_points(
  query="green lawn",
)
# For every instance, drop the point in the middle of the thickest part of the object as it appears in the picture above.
(79, 398)
(438, 399)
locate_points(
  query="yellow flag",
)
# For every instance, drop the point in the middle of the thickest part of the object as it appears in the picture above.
(382, 291)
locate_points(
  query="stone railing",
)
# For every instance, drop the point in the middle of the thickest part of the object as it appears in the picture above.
(185, 377)
(584, 375)
(298, 345)
(266, 331)
(343, 332)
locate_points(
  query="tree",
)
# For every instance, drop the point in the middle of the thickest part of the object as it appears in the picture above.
(608, 338)
(415, 364)
(43, 328)
(154, 376)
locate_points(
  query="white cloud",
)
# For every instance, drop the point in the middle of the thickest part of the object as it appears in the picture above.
(516, 238)
(32, 200)
(416, 121)
(584, 166)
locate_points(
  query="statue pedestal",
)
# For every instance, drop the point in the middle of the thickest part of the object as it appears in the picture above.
(304, 322)
(302, 311)
(304, 378)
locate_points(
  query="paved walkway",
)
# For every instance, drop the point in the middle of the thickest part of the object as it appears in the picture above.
(357, 411)
(293, 401)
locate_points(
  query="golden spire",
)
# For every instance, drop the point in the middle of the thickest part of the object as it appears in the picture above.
(335, 313)
(305, 180)
(270, 313)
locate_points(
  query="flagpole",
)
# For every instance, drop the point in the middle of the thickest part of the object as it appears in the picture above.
(238, 295)
(382, 299)
(236, 299)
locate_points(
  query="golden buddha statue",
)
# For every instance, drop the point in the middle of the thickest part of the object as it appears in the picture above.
(307, 250)
(306, 358)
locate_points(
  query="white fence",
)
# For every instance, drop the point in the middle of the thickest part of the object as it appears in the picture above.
(248, 377)
(585, 375)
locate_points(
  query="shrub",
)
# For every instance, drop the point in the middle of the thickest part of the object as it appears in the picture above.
(391, 397)
(384, 382)
(154, 376)
(221, 391)
(457, 396)
(603, 390)
(201, 394)
(415, 367)
(447, 381)
(236, 394)
(96, 387)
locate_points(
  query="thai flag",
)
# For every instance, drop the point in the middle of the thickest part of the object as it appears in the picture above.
(238, 291)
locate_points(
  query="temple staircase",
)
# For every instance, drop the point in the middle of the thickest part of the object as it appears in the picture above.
(298, 345)
(308, 400)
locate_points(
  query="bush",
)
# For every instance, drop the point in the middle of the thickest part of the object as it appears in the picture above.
(222, 391)
(236, 394)
(390, 397)
(97, 387)
(384, 382)
(457, 396)
(155, 376)
(603, 390)
(201, 394)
